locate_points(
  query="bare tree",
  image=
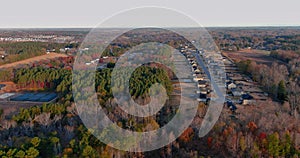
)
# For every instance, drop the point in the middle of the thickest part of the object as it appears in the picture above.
(293, 91)
(44, 119)
(69, 132)
(7, 124)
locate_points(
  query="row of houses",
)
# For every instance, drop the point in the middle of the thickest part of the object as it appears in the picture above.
(38, 38)
(199, 76)
(241, 89)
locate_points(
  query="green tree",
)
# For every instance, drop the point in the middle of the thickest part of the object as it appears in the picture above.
(20, 154)
(56, 144)
(2, 153)
(110, 65)
(244, 65)
(287, 145)
(88, 151)
(35, 141)
(243, 144)
(32, 152)
(273, 144)
(282, 93)
(1, 113)
(11, 152)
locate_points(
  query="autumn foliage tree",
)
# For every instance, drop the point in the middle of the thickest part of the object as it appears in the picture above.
(187, 135)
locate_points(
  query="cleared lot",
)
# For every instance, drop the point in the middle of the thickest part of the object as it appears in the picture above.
(33, 60)
(259, 56)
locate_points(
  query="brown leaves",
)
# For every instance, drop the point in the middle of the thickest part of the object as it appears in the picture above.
(209, 141)
(252, 126)
(187, 135)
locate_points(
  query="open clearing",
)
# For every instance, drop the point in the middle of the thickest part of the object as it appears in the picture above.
(259, 56)
(33, 60)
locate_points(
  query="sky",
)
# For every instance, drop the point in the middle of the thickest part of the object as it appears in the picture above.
(89, 13)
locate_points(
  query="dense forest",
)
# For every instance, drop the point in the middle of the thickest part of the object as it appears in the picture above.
(46, 125)
(56, 130)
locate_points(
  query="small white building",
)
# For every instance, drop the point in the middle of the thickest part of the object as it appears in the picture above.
(248, 102)
(202, 84)
(237, 93)
(231, 86)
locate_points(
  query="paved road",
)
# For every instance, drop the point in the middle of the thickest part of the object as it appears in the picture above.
(212, 81)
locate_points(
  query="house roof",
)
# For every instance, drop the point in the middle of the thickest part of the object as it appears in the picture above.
(203, 95)
(247, 96)
(2, 52)
(201, 82)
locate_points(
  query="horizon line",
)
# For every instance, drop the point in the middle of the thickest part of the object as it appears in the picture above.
(93, 27)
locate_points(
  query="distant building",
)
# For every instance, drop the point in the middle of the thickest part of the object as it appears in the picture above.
(198, 78)
(62, 50)
(202, 83)
(202, 97)
(185, 80)
(3, 54)
(2, 86)
(248, 102)
(231, 86)
(231, 105)
(203, 90)
(6, 96)
(247, 99)
(247, 96)
(236, 92)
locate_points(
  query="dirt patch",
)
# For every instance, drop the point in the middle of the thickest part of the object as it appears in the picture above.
(11, 108)
(9, 87)
(33, 60)
(259, 56)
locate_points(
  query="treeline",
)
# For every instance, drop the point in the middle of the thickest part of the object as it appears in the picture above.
(273, 79)
(60, 80)
(292, 60)
(6, 75)
(257, 38)
(17, 51)
(58, 63)
(279, 80)
(250, 140)
(285, 56)
(44, 79)
(29, 47)
(140, 81)
(145, 35)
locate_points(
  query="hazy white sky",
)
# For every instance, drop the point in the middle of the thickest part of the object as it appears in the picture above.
(88, 13)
